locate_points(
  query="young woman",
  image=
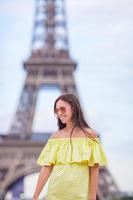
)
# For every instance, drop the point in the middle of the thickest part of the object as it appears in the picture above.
(72, 155)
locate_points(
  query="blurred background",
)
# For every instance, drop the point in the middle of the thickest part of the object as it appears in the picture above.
(100, 41)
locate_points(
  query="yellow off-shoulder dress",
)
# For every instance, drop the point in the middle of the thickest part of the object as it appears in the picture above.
(69, 179)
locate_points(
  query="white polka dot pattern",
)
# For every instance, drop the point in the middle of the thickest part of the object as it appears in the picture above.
(69, 179)
(68, 182)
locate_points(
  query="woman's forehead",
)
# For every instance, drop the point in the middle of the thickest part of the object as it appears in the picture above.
(61, 103)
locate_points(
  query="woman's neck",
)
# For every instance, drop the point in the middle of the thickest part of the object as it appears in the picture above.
(69, 127)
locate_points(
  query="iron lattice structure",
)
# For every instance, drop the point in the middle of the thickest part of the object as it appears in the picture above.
(49, 64)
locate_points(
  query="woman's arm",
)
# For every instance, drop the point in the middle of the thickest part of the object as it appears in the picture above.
(93, 185)
(43, 177)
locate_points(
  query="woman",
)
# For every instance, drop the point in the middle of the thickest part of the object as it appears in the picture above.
(72, 155)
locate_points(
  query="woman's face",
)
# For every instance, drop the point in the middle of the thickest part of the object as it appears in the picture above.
(63, 111)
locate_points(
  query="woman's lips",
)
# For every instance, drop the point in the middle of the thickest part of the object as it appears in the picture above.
(62, 118)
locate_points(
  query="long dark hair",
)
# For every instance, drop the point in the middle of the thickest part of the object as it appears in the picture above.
(77, 116)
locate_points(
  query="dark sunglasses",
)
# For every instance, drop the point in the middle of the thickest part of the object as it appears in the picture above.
(62, 109)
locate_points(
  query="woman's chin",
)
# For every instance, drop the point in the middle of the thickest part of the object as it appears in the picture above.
(63, 121)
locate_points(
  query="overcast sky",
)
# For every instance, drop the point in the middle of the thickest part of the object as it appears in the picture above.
(100, 36)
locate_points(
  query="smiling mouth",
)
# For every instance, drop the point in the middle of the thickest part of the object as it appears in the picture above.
(62, 117)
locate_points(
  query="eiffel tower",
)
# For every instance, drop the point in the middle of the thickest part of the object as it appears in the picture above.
(49, 64)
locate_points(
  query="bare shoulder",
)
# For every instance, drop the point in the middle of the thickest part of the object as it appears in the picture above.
(56, 134)
(92, 132)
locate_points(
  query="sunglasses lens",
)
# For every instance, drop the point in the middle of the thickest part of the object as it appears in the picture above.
(62, 109)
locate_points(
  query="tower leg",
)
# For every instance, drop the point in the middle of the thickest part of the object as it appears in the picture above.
(22, 124)
(69, 86)
(2, 194)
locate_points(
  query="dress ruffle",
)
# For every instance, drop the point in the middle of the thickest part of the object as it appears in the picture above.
(83, 150)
